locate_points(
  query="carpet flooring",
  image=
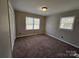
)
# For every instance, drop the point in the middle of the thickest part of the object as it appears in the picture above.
(43, 46)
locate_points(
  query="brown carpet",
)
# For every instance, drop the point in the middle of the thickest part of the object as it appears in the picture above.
(42, 46)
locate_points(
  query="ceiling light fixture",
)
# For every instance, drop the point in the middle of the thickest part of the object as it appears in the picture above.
(44, 8)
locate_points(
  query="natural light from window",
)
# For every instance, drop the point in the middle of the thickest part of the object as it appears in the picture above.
(67, 22)
(32, 23)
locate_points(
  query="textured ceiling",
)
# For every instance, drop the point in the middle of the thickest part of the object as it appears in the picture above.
(54, 6)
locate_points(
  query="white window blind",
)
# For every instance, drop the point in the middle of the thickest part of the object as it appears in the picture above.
(67, 22)
(32, 23)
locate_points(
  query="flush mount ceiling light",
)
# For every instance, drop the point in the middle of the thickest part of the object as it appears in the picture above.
(44, 8)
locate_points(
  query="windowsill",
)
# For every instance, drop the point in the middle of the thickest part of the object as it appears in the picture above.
(66, 29)
(33, 30)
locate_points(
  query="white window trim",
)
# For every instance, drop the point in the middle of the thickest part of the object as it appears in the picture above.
(72, 24)
(33, 24)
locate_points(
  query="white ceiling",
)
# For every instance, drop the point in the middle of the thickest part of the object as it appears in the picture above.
(54, 6)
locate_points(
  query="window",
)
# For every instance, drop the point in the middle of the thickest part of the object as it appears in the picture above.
(32, 23)
(67, 22)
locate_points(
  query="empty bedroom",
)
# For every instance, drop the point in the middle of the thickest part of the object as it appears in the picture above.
(39, 28)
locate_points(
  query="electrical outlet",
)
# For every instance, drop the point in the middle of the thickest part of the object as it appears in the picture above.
(19, 33)
(61, 36)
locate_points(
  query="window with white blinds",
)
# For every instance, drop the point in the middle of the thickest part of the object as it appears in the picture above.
(67, 22)
(32, 23)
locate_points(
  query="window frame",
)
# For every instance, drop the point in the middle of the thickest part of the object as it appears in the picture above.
(32, 24)
(72, 23)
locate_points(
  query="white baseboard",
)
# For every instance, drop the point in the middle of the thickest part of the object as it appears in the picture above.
(28, 35)
(64, 41)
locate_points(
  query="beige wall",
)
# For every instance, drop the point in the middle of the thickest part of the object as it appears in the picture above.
(52, 28)
(5, 46)
(20, 23)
